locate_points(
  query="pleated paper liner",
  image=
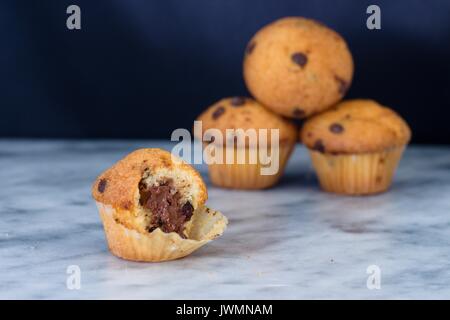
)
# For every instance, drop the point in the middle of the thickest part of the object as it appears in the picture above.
(248, 175)
(205, 225)
(356, 174)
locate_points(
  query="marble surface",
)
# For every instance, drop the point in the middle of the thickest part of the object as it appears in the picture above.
(292, 241)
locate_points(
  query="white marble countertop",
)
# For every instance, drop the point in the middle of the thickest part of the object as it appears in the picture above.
(292, 241)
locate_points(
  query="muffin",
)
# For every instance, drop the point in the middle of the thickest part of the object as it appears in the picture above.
(152, 205)
(240, 117)
(297, 67)
(356, 146)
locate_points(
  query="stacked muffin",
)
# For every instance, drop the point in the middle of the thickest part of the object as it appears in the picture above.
(356, 146)
(298, 68)
(243, 114)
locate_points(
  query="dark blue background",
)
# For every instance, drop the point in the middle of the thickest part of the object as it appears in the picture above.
(143, 68)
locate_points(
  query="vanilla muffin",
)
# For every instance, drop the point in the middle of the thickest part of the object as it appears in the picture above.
(152, 205)
(356, 146)
(297, 67)
(250, 129)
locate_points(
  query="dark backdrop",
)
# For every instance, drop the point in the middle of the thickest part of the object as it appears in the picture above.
(139, 69)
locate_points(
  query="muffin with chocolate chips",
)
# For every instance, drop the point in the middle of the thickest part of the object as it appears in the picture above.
(153, 207)
(356, 146)
(247, 145)
(297, 67)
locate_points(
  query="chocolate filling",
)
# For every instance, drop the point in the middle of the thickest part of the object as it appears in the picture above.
(168, 213)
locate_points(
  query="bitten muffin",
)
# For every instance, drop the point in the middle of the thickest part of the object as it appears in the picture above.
(297, 67)
(152, 207)
(356, 146)
(243, 114)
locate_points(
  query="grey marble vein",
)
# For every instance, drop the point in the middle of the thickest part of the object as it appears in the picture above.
(292, 241)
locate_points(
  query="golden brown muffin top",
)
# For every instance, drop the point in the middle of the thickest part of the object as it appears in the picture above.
(297, 66)
(118, 186)
(355, 126)
(245, 113)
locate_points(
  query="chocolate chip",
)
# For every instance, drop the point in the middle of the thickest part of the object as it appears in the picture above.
(237, 101)
(218, 112)
(319, 146)
(250, 47)
(102, 185)
(298, 113)
(299, 58)
(342, 85)
(187, 210)
(336, 128)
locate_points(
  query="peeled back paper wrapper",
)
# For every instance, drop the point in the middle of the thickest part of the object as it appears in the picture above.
(205, 225)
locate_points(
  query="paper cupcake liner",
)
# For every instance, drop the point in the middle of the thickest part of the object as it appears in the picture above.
(205, 225)
(356, 174)
(247, 176)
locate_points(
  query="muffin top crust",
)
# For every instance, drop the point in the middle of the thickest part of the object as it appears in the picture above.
(119, 185)
(355, 126)
(297, 67)
(245, 113)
